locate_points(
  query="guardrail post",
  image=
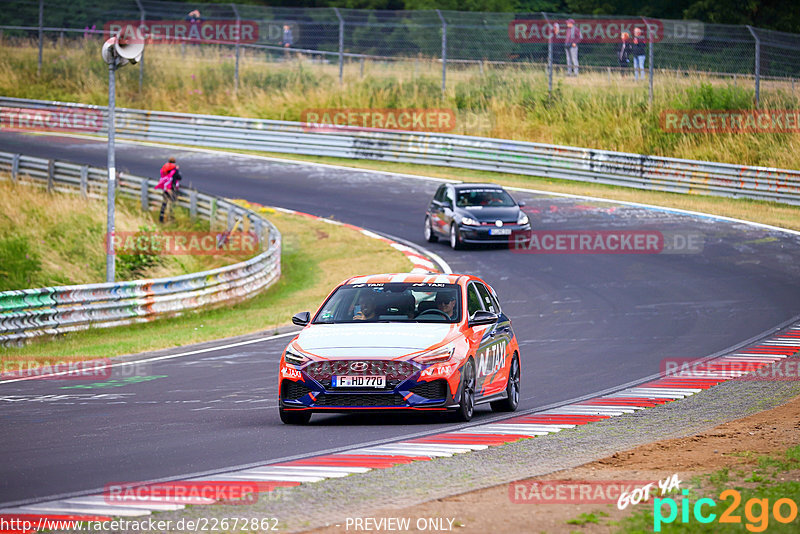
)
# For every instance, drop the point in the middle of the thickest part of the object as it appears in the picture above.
(213, 215)
(15, 168)
(549, 56)
(84, 181)
(41, 36)
(230, 218)
(51, 169)
(362, 73)
(193, 204)
(238, 34)
(341, 43)
(145, 196)
(757, 65)
(444, 51)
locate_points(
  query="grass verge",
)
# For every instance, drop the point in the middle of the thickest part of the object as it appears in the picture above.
(316, 256)
(774, 479)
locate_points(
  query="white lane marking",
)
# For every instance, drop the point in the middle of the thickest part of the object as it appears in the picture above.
(401, 452)
(60, 508)
(292, 472)
(525, 426)
(424, 447)
(167, 357)
(312, 468)
(265, 478)
(573, 411)
(128, 501)
(487, 429)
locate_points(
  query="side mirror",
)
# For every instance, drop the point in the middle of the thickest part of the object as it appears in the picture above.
(482, 317)
(521, 203)
(301, 319)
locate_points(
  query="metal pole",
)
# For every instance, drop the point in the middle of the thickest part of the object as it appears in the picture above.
(649, 61)
(41, 35)
(341, 43)
(444, 51)
(238, 38)
(758, 64)
(112, 174)
(141, 61)
(549, 57)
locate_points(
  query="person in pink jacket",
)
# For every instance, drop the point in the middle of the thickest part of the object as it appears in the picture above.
(169, 184)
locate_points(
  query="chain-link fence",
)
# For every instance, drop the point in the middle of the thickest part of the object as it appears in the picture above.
(452, 38)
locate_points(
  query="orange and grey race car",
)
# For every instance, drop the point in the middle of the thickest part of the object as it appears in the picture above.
(402, 342)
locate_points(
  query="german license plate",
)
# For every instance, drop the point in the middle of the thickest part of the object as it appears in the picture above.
(500, 231)
(351, 381)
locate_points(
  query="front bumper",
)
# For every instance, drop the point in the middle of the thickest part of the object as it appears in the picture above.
(313, 392)
(483, 233)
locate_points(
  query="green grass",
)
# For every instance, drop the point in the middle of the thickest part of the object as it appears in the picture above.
(316, 256)
(774, 478)
(511, 102)
(49, 239)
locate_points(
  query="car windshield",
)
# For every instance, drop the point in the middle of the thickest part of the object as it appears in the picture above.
(474, 198)
(392, 302)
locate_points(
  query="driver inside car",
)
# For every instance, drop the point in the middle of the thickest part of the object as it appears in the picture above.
(446, 303)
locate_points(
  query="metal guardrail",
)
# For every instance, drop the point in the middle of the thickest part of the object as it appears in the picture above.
(53, 310)
(536, 159)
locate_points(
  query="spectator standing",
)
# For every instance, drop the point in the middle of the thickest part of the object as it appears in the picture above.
(638, 50)
(571, 41)
(169, 184)
(623, 55)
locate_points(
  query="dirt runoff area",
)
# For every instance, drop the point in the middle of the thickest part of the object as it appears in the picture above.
(546, 504)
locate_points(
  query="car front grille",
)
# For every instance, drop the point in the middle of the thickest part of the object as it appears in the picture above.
(359, 400)
(394, 371)
(435, 389)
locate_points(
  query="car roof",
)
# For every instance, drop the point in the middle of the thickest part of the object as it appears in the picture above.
(413, 278)
(459, 187)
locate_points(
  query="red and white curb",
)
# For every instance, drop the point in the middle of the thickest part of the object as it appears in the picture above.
(421, 263)
(360, 460)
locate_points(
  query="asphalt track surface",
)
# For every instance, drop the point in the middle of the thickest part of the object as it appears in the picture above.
(585, 322)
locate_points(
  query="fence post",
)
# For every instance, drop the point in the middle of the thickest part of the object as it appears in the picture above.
(549, 56)
(141, 61)
(193, 204)
(213, 215)
(444, 51)
(362, 67)
(41, 35)
(231, 215)
(15, 168)
(84, 181)
(145, 196)
(238, 38)
(51, 170)
(758, 65)
(341, 42)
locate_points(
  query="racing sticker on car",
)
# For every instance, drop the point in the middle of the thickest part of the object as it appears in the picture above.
(291, 374)
(436, 370)
(492, 359)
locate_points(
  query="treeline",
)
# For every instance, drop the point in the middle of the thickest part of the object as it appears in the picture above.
(779, 15)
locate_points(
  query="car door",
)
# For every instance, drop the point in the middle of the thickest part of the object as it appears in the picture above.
(436, 210)
(490, 357)
(500, 332)
(448, 206)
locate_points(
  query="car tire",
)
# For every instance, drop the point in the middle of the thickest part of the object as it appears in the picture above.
(430, 236)
(466, 406)
(511, 402)
(292, 417)
(455, 239)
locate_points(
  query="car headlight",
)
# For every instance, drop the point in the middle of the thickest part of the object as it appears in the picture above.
(293, 357)
(522, 218)
(442, 354)
(469, 221)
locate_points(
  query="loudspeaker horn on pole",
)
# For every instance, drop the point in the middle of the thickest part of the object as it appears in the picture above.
(124, 49)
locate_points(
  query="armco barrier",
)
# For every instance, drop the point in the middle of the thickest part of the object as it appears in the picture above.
(536, 159)
(51, 310)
